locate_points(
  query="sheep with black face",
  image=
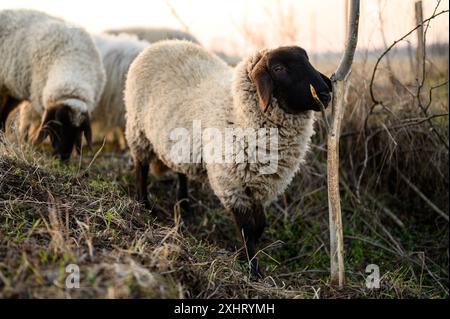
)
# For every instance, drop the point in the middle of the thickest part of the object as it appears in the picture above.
(57, 68)
(171, 84)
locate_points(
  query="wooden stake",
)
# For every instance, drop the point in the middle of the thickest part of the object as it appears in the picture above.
(339, 79)
(420, 41)
(337, 270)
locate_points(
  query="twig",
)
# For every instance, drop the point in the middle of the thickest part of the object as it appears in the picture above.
(95, 156)
(422, 195)
(372, 95)
(376, 130)
(375, 101)
(431, 92)
(387, 211)
(177, 16)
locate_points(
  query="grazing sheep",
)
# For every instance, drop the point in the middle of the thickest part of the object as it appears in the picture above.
(117, 53)
(57, 68)
(171, 84)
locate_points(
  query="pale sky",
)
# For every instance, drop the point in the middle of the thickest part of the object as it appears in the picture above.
(317, 25)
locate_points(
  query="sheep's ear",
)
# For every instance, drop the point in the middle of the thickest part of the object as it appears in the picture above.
(263, 82)
(327, 82)
(44, 130)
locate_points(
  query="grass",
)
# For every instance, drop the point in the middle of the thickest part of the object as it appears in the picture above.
(54, 215)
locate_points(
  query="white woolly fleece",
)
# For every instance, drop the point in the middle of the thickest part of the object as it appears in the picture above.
(47, 61)
(155, 34)
(173, 83)
(117, 52)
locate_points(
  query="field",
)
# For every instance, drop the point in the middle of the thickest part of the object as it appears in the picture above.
(394, 189)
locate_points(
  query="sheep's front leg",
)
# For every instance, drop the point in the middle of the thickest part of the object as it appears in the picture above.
(251, 223)
(182, 193)
(141, 171)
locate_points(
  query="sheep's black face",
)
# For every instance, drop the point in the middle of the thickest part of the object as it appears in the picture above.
(287, 74)
(58, 124)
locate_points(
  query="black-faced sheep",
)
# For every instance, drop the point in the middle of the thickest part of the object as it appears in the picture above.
(55, 66)
(117, 53)
(173, 84)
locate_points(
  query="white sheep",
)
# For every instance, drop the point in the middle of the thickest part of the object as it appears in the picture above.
(117, 53)
(57, 67)
(155, 34)
(173, 84)
(231, 60)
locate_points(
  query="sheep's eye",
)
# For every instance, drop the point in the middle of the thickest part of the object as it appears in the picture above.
(279, 68)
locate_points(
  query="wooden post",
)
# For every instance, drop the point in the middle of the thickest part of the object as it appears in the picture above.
(337, 269)
(420, 41)
(339, 79)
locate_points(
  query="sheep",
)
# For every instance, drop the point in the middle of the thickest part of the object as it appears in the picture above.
(231, 60)
(117, 53)
(57, 68)
(155, 34)
(173, 84)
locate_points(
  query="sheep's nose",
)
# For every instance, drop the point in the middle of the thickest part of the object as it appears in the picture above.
(325, 98)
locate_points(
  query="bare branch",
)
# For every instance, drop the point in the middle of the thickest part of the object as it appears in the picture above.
(375, 130)
(421, 195)
(177, 16)
(372, 95)
(417, 95)
(350, 46)
(431, 93)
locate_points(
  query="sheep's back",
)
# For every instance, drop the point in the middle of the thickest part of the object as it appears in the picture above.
(117, 52)
(155, 34)
(170, 85)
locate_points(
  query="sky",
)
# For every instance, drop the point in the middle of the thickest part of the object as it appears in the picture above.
(222, 24)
